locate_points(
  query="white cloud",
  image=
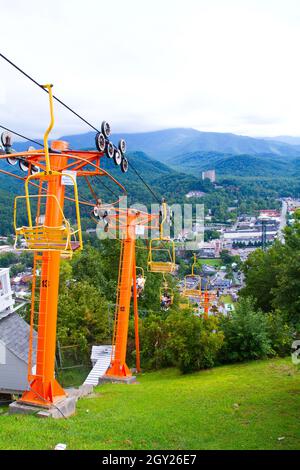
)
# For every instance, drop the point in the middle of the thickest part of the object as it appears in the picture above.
(209, 64)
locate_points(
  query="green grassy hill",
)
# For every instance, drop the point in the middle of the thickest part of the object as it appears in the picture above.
(247, 406)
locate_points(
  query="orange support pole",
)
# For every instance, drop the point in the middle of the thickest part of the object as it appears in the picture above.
(44, 389)
(206, 304)
(118, 367)
(136, 319)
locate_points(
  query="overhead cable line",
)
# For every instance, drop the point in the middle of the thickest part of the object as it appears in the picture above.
(22, 136)
(98, 178)
(143, 181)
(44, 89)
(76, 114)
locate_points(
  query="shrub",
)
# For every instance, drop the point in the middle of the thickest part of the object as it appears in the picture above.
(182, 339)
(280, 333)
(82, 316)
(193, 342)
(246, 333)
(153, 341)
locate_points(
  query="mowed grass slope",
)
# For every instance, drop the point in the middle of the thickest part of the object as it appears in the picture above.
(247, 406)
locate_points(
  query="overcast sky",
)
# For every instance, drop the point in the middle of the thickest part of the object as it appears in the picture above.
(214, 65)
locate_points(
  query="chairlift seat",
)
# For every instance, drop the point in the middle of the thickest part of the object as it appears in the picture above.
(43, 238)
(161, 267)
(192, 292)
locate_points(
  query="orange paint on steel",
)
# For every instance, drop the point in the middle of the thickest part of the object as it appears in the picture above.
(206, 304)
(44, 389)
(118, 366)
(136, 319)
(60, 145)
(127, 223)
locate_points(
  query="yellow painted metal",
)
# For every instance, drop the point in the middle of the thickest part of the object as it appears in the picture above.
(163, 220)
(142, 271)
(194, 293)
(50, 127)
(163, 245)
(40, 237)
(160, 266)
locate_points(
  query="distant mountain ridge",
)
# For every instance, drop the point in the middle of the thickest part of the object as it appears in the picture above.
(165, 144)
(286, 139)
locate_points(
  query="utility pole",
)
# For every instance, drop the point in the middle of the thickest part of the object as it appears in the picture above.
(264, 234)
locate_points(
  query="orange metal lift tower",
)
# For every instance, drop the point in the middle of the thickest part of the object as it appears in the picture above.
(127, 222)
(50, 236)
(206, 301)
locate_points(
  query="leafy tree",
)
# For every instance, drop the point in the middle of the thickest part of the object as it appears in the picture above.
(7, 259)
(17, 268)
(211, 235)
(228, 259)
(287, 290)
(273, 277)
(246, 333)
(181, 339)
(261, 270)
(153, 340)
(193, 342)
(82, 316)
(280, 333)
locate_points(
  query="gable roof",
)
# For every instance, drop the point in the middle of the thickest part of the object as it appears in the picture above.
(14, 333)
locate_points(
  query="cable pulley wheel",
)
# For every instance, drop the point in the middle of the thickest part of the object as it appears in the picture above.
(117, 157)
(105, 128)
(124, 165)
(6, 139)
(23, 165)
(122, 146)
(34, 169)
(12, 161)
(109, 150)
(100, 141)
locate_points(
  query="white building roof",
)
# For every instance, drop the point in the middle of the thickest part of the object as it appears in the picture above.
(99, 351)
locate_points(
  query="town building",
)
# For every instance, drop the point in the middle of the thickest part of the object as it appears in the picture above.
(14, 341)
(195, 194)
(210, 175)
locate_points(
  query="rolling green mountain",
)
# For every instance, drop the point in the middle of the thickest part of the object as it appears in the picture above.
(164, 182)
(236, 165)
(190, 151)
(254, 180)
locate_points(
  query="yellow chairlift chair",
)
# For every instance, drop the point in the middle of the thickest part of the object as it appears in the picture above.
(40, 236)
(161, 258)
(195, 291)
